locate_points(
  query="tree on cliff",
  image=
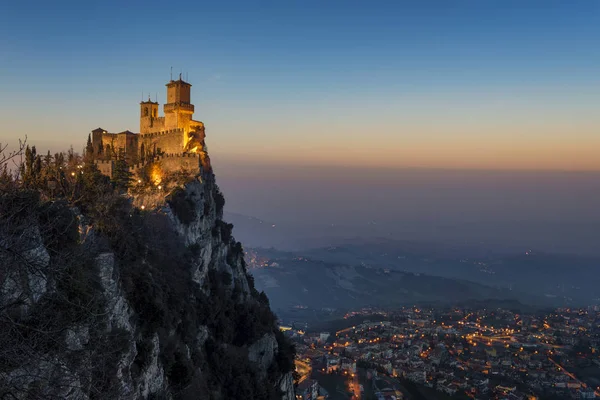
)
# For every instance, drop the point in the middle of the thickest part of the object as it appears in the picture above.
(31, 169)
(121, 176)
(89, 147)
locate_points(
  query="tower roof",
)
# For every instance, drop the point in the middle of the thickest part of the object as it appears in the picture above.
(178, 82)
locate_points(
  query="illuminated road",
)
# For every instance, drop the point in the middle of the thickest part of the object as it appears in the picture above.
(345, 330)
(303, 369)
(354, 386)
(570, 375)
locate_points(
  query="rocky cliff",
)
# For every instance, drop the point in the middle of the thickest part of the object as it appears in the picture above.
(126, 296)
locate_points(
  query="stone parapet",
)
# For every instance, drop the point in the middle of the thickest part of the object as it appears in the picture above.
(162, 133)
(169, 156)
(178, 107)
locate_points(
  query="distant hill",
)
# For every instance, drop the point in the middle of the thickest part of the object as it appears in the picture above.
(558, 278)
(306, 282)
(570, 279)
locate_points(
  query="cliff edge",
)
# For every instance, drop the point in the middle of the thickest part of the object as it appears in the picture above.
(106, 295)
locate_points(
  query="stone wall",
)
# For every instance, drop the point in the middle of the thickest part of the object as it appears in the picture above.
(177, 120)
(106, 167)
(169, 163)
(166, 142)
(117, 141)
(152, 124)
(175, 162)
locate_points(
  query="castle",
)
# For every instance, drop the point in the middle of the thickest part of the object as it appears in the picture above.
(175, 135)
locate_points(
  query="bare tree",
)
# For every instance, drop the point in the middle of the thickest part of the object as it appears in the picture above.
(7, 156)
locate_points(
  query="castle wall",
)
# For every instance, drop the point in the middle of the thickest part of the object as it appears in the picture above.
(176, 162)
(117, 141)
(167, 141)
(176, 120)
(167, 164)
(109, 139)
(170, 163)
(129, 144)
(151, 124)
(97, 139)
(106, 167)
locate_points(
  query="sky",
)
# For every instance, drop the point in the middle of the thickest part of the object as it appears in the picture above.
(376, 84)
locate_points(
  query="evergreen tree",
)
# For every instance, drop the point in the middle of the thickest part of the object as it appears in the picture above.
(59, 169)
(31, 169)
(89, 148)
(121, 177)
(37, 167)
(70, 155)
(48, 160)
(142, 153)
(5, 176)
(59, 161)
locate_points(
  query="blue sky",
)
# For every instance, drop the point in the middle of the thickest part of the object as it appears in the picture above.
(468, 84)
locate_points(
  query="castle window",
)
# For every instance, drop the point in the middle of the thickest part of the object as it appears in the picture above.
(145, 112)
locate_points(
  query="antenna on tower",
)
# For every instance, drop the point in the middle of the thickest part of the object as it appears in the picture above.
(156, 97)
(171, 73)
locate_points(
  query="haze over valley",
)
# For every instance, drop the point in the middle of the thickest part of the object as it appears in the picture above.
(527, 236)
(516, 211)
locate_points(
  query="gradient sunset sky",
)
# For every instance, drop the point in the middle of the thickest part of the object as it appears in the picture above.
(449, 84)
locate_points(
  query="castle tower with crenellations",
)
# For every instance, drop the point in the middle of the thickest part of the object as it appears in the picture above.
(175, 133)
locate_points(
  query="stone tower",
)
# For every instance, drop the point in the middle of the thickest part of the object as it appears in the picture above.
(178, 109)
(149, 116)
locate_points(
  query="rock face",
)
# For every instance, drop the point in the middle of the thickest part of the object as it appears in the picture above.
(122, 303)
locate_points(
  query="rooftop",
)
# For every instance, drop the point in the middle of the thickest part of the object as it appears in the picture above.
(178, 82)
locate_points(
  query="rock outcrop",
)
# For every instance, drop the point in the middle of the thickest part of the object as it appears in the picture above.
(122, 301)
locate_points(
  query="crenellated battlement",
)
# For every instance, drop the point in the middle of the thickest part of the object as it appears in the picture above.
(180, 155)
(169, 162)
(173, 107)
(167, 156)
(162, 133)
